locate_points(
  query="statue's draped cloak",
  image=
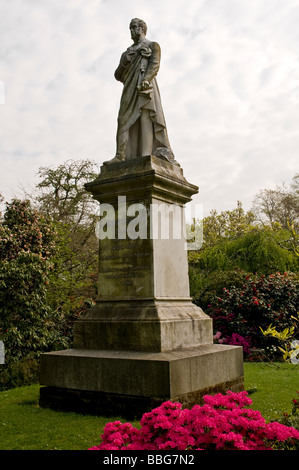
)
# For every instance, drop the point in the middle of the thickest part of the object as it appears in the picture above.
(144, 65)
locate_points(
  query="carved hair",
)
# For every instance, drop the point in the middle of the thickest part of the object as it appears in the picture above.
(141, 23)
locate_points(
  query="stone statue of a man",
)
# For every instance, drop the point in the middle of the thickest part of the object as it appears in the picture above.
(141, 124)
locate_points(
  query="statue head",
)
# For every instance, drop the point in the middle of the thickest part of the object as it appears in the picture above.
(137, 27)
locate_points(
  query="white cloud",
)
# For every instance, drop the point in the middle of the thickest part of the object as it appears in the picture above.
(229, 81)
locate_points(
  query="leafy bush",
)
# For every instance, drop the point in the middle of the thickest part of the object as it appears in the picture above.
(29, 322)
(261, 250)
(222, 423)
(19, 373)
(27, 325)
(207, 285)
(289, 346)
(262, 300)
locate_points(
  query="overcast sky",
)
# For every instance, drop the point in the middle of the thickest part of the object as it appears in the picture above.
(229, 82)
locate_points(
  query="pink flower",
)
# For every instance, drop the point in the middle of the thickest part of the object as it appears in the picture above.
(217, 335)
(223, 422)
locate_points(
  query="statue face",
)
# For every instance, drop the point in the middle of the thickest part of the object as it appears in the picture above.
(136, 30)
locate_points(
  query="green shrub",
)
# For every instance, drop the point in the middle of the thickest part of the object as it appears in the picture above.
(27, 325)
(20, 373)
(260, 301)
(206, 285)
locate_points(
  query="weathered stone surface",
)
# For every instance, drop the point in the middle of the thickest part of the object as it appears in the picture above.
(154, 266)
(140, 178)
(144, 299)
(156, 326)
(149, 377)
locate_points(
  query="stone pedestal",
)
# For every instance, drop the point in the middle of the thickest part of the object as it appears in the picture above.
(145, 341)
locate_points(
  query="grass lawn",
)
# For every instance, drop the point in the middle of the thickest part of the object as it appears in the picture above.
(271, 387)
(26, 426)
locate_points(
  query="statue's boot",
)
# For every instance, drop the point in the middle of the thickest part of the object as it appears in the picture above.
(116, 159)
(166, 153)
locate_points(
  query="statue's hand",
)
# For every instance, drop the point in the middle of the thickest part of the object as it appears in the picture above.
(145, 84)
(145, 87)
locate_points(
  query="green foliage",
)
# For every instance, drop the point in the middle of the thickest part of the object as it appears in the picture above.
(49, 262)
(20, 373)
(27, 243)
(205, 285)
(288, 345)
(259, 250)
(61, 195)
(61, 191)
(293, 239)
(226, 225)
(236, 245)
(262, 300)
(279, 209)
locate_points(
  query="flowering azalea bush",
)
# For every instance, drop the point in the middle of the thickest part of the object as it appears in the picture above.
(235, 340)
(222, 423)
(260, 301)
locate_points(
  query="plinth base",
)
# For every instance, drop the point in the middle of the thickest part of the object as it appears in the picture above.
(146, 326)
(128, 384)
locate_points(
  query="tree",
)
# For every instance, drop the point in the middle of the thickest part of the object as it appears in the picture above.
(223, 226)
(236, 245)
(227, 224)
(61, 195)
(278, 206)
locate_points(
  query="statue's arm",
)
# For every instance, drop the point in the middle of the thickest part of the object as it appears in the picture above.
(153, 63)
(124, 61)
(121, 68)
